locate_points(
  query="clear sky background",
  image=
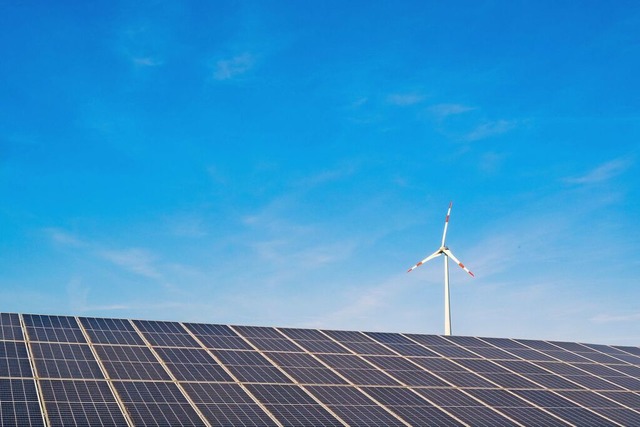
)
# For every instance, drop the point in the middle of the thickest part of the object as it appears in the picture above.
(284, 163)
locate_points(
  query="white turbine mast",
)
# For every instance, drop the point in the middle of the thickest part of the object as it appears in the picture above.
(444, 250)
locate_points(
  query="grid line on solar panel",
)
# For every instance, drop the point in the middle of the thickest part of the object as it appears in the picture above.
(388, 338)
(19, 404)
(44, 321)
(55, 335)
(157, 403)
(62, 360)
(259, 374)
(10, 327)
(367, 348)
(303, 334)
(468, 341)
(273, 344)
(292, 405)
(492, 353)
(257, 332)
(208, 329)
(347, 336)
(629, 350)
(115, 331)
(481, 416)
(104, 324)
(410, 406)
(504, 343)
(14, 360)
(412, 350)
(562, 407)
(626, 398)
(622, 416)
(428, 340)
(208, 395)
(465, 379)
(192, 364)
(327, 347)
(453, 351)
(81, 403)
(593, 356)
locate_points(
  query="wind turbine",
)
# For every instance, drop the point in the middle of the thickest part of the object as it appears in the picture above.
(444, 250)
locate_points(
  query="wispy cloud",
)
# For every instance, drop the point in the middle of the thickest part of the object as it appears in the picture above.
(603, 172)
(147, 61)
(405, 99)
(445, 110)
(229, 68)
(489, 129)
(135, 260)
(63, 237)
(613, 318)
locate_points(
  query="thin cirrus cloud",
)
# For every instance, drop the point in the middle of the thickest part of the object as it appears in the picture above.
(445, 110)
(489, 129)
(135, 260)
(405, 99)
(617, 318)
(603, 172)
(229, 68)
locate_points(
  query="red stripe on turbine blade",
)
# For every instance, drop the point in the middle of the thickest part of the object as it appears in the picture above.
(419, 264)
(447, 219)
(472, 275)
(461, 265)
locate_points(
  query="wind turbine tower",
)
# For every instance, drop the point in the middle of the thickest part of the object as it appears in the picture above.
(444, 250)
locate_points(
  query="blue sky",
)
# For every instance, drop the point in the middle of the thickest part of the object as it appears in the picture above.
(284, 163)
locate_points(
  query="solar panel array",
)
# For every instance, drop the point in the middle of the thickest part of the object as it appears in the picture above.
(79, 371)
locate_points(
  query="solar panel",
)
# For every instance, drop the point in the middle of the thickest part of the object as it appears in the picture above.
(62, 370)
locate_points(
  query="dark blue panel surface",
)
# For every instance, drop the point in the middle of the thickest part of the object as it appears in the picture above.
(81, 403)
(19, 403)
(157, 404)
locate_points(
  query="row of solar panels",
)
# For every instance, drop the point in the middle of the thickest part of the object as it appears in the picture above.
(58, 370)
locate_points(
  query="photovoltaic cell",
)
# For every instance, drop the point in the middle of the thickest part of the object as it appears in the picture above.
(206, 329)
(224, 342)
(111, 331)
(428, 340)
(192, 365)
(314, 376)
(62, 360)
(258, 332)
(410, 406)
(292, 406)
(10, 328)
(157, 403)
(81, 403)
(328, 347)
(13, 360)
(297, 360)
(303, 334)
(389, 338)
(131, 363)
(367, 348)
(271, 344)
(19, 403)
(412, 350)
(227, 405)
(504, 343)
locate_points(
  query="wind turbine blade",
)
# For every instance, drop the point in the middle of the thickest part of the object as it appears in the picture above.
(446, 223)
(432, 256)
(448, 253)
